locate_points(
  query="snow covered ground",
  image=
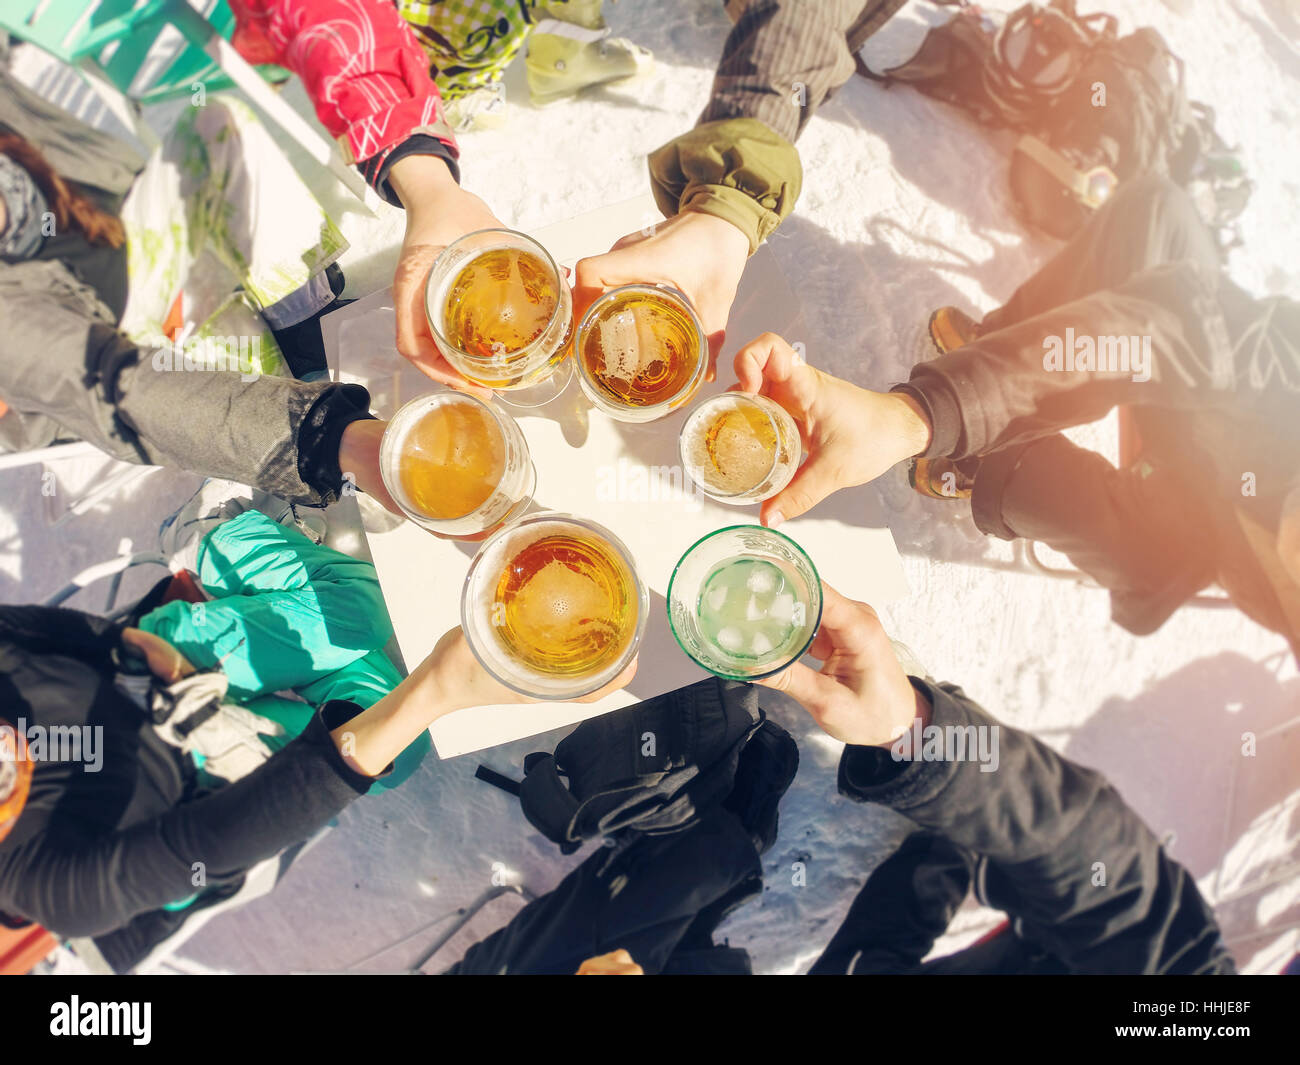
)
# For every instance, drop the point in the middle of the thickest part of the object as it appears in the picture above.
(905, 207)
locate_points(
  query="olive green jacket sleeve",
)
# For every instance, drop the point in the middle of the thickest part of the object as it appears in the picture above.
(739, 170)
(782, 59)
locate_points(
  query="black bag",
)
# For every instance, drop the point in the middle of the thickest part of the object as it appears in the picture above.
(1096, 109)
(654, 767)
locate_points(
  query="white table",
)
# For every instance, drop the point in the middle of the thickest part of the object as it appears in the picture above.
(608, 471)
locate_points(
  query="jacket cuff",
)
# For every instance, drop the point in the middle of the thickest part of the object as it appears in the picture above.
(376, 169)
(939, 402)
(884, 776)
(738, 169)
(321, 433)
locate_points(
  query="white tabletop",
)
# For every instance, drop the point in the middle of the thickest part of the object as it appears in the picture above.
(607, 471)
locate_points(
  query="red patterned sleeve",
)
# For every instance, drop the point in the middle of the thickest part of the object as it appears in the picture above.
(365, 72)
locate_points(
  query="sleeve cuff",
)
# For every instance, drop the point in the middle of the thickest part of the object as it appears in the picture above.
(321, 434)
(376, 169)
(887, 776)
(740, 170)
(941, 409)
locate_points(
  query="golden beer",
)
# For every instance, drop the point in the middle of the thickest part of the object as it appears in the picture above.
(641, 352)
(499, 302)
(454, 458)
(455, 464)
(740, 448)
(500, 312)
(565, 604)
(553, 607)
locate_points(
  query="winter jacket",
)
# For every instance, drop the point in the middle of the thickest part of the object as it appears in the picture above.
(67, 373)
(365, 72)
(92, 851)
(1082, 877)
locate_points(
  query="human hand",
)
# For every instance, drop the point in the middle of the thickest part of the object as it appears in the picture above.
(359, 461)
(438, 212)
(699, 254)
(861, 694)
(615, 963)
(851, 435)
(165, 661)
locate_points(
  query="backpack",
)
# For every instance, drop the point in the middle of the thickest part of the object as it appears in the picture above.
(654, 767)
(1058, 78)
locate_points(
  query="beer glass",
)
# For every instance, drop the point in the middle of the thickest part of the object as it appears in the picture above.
(553, 606)
(744, 602)
(641, 352)
(739, 448)
(501, 313)
(456, 465)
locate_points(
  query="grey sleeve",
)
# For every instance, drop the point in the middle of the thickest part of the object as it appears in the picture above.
(783, 58)
(66, 372)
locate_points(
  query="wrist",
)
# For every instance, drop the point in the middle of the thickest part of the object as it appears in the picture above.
(913, 429)
(419, 180)
(723, 237)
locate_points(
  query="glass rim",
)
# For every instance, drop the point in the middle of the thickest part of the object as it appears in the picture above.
(499, 420)
(580, 332)
(561, 518)
(812, 632)
(749, 397)
(542, 253)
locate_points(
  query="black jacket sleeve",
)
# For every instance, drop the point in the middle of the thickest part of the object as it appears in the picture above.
(1065, 856)
(79, 886)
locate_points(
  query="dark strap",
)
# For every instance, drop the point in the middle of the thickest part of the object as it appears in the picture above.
(547, 802)
(497, 780)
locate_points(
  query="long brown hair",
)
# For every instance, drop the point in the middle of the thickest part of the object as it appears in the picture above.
(71, 209)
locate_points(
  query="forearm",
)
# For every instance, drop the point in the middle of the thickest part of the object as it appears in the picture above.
(423, 183)
(377, 735)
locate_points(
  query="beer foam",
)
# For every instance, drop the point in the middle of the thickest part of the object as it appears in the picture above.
(628, 344)
(735, 462)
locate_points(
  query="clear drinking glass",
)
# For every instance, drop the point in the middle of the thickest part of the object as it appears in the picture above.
(501, 313)
(739, 448)
(744, 602)
(641, 352)
(456, 465)
(553, 607)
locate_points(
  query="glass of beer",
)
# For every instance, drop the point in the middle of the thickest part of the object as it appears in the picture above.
(553, 606)
(744, 602)
(456, 465)
(739, 448)
(641, 352)
(501, 313)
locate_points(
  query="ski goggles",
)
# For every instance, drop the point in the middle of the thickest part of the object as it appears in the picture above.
(15, 777)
